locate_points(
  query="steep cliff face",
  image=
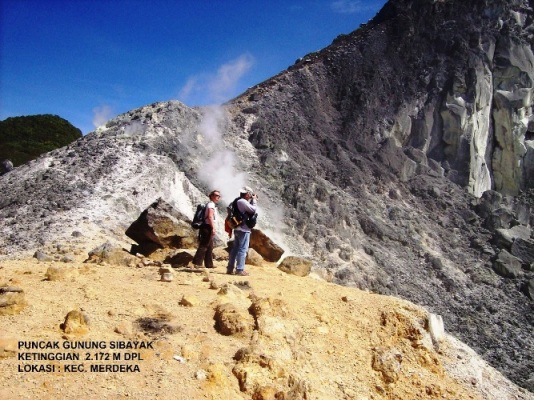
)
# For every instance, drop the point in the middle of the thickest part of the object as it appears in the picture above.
(369, 156)
(450, 78)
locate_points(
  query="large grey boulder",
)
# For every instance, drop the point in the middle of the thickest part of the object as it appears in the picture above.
(161, 226)
(504, 238)
(523, 249)
(507, 265)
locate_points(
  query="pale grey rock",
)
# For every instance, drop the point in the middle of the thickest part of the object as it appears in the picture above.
(504, 238)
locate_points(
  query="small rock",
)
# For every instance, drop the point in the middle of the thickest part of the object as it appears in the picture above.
(296, 266)
(76, 322)
(214, 285)
(42, 256)
(61, 273)
(201, 375)
(189, 301)
(12, 300)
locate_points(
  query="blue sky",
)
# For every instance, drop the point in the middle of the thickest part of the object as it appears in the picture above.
(90, 60)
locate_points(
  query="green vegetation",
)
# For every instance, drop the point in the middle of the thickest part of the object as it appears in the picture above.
(25, 138)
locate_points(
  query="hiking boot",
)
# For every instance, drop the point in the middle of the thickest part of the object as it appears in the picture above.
(242, 273)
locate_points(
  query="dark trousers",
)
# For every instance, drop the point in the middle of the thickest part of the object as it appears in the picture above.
(204, 254)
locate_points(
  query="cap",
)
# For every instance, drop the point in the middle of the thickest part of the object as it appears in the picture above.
(246, 189)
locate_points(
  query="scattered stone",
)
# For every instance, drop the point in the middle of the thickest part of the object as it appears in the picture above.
(189, 301)
(231, 290)
(178, 358)
(504, 238)
(109, 254)
(294, 265)
(42, 256)
(67, 259)
(76, 322)
(166, 274)
(6, 166)
(436, 328)
(62, 273)
(157, 325)
(12, 300)
(214, 285)
(200, 375)
(243, 285)
(230, 321)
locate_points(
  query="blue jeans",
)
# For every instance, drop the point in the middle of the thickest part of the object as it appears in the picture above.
(239, 251)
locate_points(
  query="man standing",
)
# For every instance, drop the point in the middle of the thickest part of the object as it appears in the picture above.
(246, 204)
(206, 233)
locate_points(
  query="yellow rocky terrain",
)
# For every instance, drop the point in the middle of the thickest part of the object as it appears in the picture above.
(215, 336)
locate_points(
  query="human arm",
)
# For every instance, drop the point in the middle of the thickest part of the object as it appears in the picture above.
(247, 207)
(210, 219)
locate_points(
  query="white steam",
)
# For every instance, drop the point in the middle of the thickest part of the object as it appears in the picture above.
(219, 168)
(219, 172)
(101, 115)
(227, 77)
(219, 87)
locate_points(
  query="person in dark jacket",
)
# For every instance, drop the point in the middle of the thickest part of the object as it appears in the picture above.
(206, 234)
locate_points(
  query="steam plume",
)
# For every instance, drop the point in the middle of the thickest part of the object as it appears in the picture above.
(101, 115)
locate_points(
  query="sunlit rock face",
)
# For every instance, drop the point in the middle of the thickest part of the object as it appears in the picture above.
(512, 115)
(476, 114)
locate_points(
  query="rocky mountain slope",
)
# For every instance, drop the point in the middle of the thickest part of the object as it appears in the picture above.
(399, 158)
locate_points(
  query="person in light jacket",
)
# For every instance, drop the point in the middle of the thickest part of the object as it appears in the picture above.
(246, 204)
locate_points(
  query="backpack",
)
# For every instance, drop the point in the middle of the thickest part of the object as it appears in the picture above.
(198, 218)
(236, 217)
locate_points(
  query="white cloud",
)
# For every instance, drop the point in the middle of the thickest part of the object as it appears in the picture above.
(101, 115)
(350, 6)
